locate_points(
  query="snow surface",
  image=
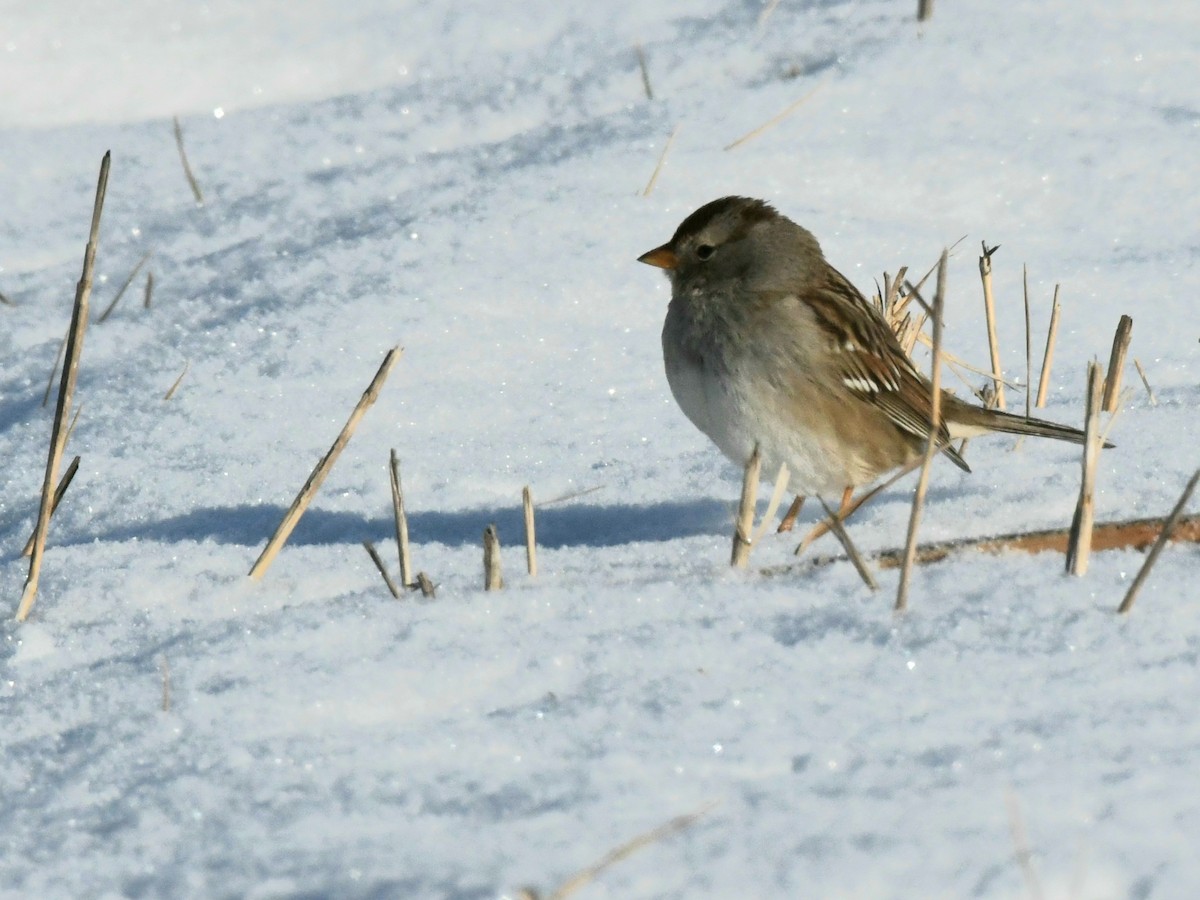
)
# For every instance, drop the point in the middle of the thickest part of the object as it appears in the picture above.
(465, 180)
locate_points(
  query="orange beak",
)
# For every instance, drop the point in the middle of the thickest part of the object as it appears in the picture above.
(663, 257)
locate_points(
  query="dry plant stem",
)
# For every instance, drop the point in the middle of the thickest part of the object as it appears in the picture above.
(492, 578)
(989, 308)
(122, 289)
(426, 586)
(1028, 345)
(530, 531)
(931, 446)
(616, 855)
(66, 390)
(187, 169)
(400, 519)
(793, 513)
(1080, 544)
(149, 290)
(63, 484)
(387, 579)
(924, 10)
(1024, 857)
(1116, 364)
(662, 158)
(178, 381)
(1048, 356)
(641, 56)
(843, 536)
(54, 369)
(166, 685)
(771, 123)
(1163, 537)
(781, 482)
(563, 498)
(744, 527)
(1146, 381)
(300, 504)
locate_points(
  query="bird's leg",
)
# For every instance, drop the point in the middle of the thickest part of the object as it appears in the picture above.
(845, 509)
(789, 520)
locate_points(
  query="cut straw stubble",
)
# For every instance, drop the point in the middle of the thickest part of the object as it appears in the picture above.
(743, 529)
(400, 519)
(493, 579)
(530, 532)
(989, 309)
(1048, 356)
(1080, 543)
(1116, 364)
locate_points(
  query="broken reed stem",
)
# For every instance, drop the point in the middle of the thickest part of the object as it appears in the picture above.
(771, 123)
(1116, 364)
(1048, 356)
(781, 482)
(166, 685)
(662, 158)
(400, 519)
(492, 578)
(641, 58)
(617, 854)
(744, 527)
(1021, 851)
(149, 290)
(187, 169)
(530, 532)
(1028, 345)
(54, 369)
(426, 586)
(63, 484)
(989, 309)
(178, 381)
(1145, 381)
(924, 10)
(121, 290)
(300, 504)
(387, 579)
(843, 536)
(1080, 544)
(58, 437)
(931, 446)
(563, 498)
(1163, 537)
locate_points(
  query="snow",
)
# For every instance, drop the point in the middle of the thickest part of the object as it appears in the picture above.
(466, 183)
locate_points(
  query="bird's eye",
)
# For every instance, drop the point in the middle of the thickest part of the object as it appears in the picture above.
(704, 251)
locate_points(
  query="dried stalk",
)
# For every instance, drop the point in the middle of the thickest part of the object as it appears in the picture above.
(641, 57)
(187, 169)
(1048, 356)
(924, 10)
(1081, 526)
(843, 536)
(63, 484)
(121, 290)
(300, 504)
(989, 308)
(426, 586)
(771, 123)
(400, 519)
(58, 437)
(1028, 345)
(149, 290)
(1116, 364)
(931, 446)
(744, 527)
(662, 158)
(492, 578)
(178, 381)
(530, 532)
(1163, 537)
(387, 579)
(1146, 381)
(563, 498)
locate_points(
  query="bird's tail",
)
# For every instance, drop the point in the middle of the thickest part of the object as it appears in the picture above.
(981, 421)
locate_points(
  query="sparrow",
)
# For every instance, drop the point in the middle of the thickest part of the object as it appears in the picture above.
(765, 343)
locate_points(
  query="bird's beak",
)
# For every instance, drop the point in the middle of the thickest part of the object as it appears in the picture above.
(663, 257)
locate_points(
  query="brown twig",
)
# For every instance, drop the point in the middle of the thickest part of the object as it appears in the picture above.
(530, 532)
(931, 446)
(1081, 525)
(187, 169)
(387, 579)
(300, 504)
(493, 580)
(989, 309)
(1116, 364)
(641, 58)
(63, 484)
(66, 390)
(843, 536)
(924, 10)
(121, 290)
(178, 381)
(1163, 537)
(662, 158)
(744, 527)
(149, 290)
(1146, 381)
(400, 519)
(1048, 356)
(771, 123)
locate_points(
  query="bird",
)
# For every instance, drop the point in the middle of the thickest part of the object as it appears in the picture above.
(766, 344)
